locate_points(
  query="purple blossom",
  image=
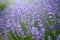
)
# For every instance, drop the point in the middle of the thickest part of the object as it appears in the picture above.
(58, 37)
(39, 11)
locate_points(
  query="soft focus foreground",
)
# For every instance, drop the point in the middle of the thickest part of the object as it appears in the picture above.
(29, 19)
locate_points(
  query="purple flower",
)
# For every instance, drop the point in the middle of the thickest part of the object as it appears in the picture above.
(58, 37)
(31, 14)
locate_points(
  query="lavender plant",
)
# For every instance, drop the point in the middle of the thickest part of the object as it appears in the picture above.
(30, 20)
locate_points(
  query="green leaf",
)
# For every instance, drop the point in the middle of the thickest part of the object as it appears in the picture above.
(47, 32)
(46, 35)
(58, 32)
(49, 20)
(36, 23)
(2, 6)
(57, 17)
(29, 37)
(24, 26)
(19, 38)
(53, 35)
(11, 36)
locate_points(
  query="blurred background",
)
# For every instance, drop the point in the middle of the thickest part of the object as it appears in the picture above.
(29, 19)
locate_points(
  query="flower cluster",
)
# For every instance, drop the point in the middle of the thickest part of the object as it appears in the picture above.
(31, 18)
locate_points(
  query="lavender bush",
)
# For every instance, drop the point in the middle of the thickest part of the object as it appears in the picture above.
(30, 20)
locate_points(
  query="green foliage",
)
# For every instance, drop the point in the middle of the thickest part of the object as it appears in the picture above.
(58, 31)
(49, 20)
(53, 35)
(36, 25)
(46, 35)
(1, 37)
(2, 6)
(12, 36)
(17, 37)
(29, 37)
(24, 26)
(57, 17)
(47, 32)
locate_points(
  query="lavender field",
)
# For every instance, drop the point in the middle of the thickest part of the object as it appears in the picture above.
(29, 19)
